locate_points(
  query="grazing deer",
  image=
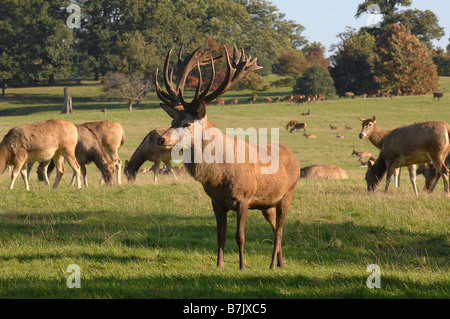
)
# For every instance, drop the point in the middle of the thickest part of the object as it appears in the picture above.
(112, 136)
(298, 126)
(230, 185)
(413, 144)
(309, 135)
(220, 102)
(334, 127)
(288, 98)
(437, 95)
(291, 124)
(40, 141)
(233, 101)
(89, 149)
(307, 113)
(323, 171)
(149, 150)
(349, 95)
(377, 136)
(253, 99)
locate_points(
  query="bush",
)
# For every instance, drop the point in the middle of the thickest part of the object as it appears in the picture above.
(315, 80)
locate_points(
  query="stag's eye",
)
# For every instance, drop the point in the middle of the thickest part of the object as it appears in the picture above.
(186, 125)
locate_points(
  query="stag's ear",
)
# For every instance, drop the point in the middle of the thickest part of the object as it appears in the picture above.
(374, 119)
(169, 110)
(360, 118)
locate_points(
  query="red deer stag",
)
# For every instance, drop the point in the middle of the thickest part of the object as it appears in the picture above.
(40, 141)
(149, 150)
(232, 184)
(112, 136)
(437, 95)
(377, 136)
(291, 124)
(413, 144)
(298, 127)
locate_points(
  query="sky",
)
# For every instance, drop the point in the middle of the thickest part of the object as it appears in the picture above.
(324, 19)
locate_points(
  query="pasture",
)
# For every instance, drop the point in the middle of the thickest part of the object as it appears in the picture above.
(159, 241)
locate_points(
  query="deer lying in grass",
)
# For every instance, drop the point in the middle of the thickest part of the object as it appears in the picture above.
(307, 113)
(377, 136)
(231, 185)
(309, 135)
(323, 171)
(334, 127)
(149, 150)
(339, 135)
(112, 136)
(413, 144)
(40, 141)
(361, 153)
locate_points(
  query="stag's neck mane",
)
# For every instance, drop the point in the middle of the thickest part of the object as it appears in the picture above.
(378, 136)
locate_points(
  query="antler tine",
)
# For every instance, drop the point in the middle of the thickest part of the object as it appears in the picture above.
(163, 96)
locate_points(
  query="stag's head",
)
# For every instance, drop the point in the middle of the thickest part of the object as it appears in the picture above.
(367, 127)
(375, 173)
(185, 114)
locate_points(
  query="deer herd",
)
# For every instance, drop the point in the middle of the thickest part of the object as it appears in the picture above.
(236, 186)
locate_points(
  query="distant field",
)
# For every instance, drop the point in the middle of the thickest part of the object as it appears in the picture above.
(159, 241)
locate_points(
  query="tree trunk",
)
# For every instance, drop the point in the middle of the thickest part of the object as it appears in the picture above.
(67, 108)
(130, 106)
(4, 86)
(51, 80)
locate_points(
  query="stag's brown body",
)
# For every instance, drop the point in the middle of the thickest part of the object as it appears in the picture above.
(413, 144)
(112, 136)
(40, 141)
(325, 171)
(149, 150)
(230, 185)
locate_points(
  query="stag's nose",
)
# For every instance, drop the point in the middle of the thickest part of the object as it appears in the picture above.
(160, 141)
(361, 135)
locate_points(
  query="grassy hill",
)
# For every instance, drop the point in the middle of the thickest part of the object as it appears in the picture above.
(159, 241)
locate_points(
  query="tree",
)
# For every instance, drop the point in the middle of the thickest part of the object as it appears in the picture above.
(405, 62)
(315, 80)
(314, 53)
(67, 107)
(290, 62)
(442, 61)
(423, 24)
(130, 88)
(353, 65)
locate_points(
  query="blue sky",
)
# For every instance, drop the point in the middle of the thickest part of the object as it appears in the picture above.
(324, 19)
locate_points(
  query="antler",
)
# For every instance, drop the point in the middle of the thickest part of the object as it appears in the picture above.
(237, 68)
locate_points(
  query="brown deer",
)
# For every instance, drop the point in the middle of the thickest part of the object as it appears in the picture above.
(298, 127)
(413, 144)
(348, 127)
(253, 99)
(40, 141)
(149, 150)
(361, 153)
(288, 98)
(323, 171)
(89, 149)
(233, 101)
(231, 185)
(267, 99)
(377, 136)
(437, 95)
(291, 124)
(307, 113)
(334, 127)
(112, 136)
(309, 135)
(349, 95)
(339, 135)
(220, 102)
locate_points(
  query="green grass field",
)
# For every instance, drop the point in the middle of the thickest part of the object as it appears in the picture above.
(159, 241)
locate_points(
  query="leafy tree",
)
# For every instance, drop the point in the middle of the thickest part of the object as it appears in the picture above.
(353, 64)
(290, 62)
(405, 62)
(442, 61)
(314, 53)
(315, 80)
(253, 82)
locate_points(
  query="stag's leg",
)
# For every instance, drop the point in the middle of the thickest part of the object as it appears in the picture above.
(271, 216)
(242, 211)
(29, 167)
(117, 162)
(412, 177)
(397, 172)
(390, 171)
(282, 211)
(431, 178)
(83, 173)
(221, 219)
(15, 172)
(43, 170)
